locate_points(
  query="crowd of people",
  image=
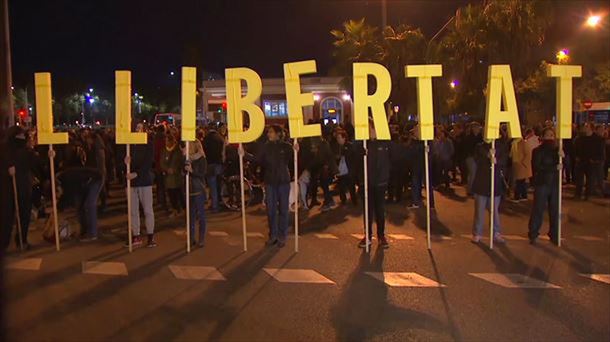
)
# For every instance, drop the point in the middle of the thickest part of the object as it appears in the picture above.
(459, 156)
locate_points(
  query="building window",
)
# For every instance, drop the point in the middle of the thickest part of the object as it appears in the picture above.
(332, 110)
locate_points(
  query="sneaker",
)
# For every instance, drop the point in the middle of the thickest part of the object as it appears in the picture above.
(201, 244)
(88, 239)
(413, 206)
(533, 241)
(326, 207)
(476, 239)
(270, 242)
(383, 242)
(362, 243)
(151, 241)
(514, 200)
(136, 241)
(281, 244)
(498, 238)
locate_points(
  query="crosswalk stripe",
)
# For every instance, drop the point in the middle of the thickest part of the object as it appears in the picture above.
(218, 233)
(326, 236)
(400, 237)
(196, 272)
(284, 275)
(404, 279)
(514, 280)
(104, 267)
(26, 264)
(604, 278)
(255, 235)
(588, 238)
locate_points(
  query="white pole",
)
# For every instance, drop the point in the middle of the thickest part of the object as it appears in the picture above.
(53, 195)
(128, 171)
(559, 190)
(296, 196)
(243, 200)
(17, 213)
(492, 155)
(188, 204)
(428, 190)
(366, 198)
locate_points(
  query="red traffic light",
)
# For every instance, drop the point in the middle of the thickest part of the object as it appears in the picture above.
(22, 113)
(224, 106)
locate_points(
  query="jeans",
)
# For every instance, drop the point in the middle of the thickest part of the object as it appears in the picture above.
(520, 188)
(544, 195)
(197, 211)
(481, 204)
(86, 206)
(304, 181)
(472, 169)
(142, 195)
(277, 202)
(376, 209)
(416, 186)
(214, 171)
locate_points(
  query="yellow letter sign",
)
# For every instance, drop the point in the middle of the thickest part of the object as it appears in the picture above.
(237, 104)
(189, 100)
(297, 100)
(425, 110)
(363, 101)
(500, 92)
(563, 104)
(124, 135)
(44, 110)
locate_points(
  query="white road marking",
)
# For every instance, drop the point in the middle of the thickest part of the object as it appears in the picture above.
(326, 236)
(400, 237)
(305, 276)
(218, 233)
(103, 267)
(514, 280)
(27, 264)
(196, 272)
(404, 279)
(604, 278)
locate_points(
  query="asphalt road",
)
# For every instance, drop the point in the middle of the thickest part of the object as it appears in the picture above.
(49, 297)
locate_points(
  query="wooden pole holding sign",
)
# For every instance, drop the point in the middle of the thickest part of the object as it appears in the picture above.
(492, 197)
(188, 201)
(500, 94)
(367, 237)
(295, 145)
(124, 135)
(428, 190)
(243, 197)
(128, 193)
(424, 74)
(44, 108)
(563, 106)
(188, 127)
(17, 212)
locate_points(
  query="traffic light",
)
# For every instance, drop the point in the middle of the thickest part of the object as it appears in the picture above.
(224, 106)
(22, 113)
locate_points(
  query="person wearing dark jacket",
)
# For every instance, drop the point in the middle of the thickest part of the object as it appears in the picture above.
(545, 163)
(141, 180)
(214, 146)
(471, 141)
(81, 186)
(275, 159)
(416, 164)
(19, 162)
(481, 186)
(196, 167)
(378, 173)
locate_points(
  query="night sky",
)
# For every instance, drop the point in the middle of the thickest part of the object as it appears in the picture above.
(82, 42)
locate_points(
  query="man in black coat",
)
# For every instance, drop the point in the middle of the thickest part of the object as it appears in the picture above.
(545, 163)
(378, 173)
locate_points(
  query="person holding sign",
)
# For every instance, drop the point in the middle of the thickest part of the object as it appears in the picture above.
(481, 187)
(378, 167)
(545, 163)
(275, 158)
(196, 165)
(141, 178)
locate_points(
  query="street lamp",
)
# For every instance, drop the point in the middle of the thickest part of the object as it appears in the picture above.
(453, 84)
(91, 90)
(563, 56)
(593, 20)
